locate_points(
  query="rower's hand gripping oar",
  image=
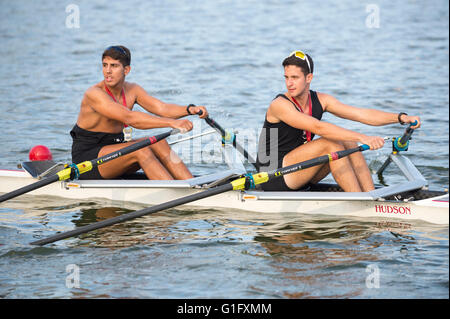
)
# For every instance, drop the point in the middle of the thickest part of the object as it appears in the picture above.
(246, 182)
(74, 170)
(229, 138)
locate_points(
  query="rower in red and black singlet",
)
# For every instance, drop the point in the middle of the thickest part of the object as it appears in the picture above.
(87, 144)
(273, 147)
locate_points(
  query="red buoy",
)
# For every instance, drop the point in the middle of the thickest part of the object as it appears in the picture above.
(40, 153)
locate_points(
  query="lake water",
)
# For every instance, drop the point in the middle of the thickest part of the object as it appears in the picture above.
(227, 56)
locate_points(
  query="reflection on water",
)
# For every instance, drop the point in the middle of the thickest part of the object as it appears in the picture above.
(124, 234)
(249, 255)
(301, 256)
(311, 255)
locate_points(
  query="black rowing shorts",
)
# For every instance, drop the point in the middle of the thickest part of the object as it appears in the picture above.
(86, 146)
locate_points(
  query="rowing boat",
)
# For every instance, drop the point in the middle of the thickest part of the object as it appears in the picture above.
(407, 200)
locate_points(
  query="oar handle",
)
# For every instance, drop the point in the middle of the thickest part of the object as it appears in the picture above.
(402, 143)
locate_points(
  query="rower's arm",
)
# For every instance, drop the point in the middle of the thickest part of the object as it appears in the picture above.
(366, 116)
(283, 110)
(100, 102)
(155, 106)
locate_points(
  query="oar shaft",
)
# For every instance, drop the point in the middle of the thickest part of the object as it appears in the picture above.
(191, 137)
(29, 188)
(224, 134)
(136, 214)
(407, 136)
(132, 148)
(86, 166)
(401, 143)
(316, 161)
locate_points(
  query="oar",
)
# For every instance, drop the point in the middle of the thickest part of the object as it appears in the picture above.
(191, 137)
(401, 143)
(228, 137)
(248, 181)
(76, 169)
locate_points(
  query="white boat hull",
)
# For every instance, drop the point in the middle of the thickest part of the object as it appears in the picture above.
(434, 210)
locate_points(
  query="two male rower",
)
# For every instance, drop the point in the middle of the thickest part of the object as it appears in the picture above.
(294, 118)
(106, 117)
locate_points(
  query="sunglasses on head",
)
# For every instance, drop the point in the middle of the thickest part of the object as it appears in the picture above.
(118, 49)
(302, 56)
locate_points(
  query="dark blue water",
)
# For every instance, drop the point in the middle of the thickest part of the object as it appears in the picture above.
(227, 56)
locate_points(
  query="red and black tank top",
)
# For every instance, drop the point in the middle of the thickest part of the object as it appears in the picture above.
(278, 139)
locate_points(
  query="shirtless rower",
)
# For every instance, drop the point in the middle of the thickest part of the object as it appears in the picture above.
(294, 118)
(106, 117)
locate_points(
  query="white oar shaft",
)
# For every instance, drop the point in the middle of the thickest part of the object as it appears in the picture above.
(191, 137)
